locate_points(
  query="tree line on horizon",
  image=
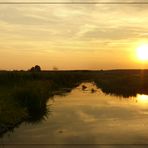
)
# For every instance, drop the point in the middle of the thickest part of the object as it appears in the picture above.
(37, 68)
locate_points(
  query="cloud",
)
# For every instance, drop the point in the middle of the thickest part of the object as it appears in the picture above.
(119, 33)
(72, 28)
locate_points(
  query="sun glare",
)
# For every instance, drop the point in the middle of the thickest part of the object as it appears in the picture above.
(143, 99)
(142, 52)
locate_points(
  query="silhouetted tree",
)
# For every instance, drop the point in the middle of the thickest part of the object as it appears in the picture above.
(37, 68)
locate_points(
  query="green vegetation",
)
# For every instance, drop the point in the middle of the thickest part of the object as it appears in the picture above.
(24, 94)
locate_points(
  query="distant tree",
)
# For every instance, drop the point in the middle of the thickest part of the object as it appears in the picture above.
(37, 68)
(55, 68)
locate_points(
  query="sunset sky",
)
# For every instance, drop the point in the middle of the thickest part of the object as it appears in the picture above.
(84, 36)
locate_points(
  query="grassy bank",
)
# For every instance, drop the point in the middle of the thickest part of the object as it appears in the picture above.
(23, 95)
(123, 83)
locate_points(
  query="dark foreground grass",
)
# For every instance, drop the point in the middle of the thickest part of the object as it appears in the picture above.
(24, 95)
(125, 83)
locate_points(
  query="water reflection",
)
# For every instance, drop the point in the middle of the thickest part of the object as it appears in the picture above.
(83, 117)
(142, 99)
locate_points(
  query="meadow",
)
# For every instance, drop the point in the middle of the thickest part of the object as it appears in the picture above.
(24, 94)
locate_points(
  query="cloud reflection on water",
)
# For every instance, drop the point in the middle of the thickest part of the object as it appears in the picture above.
(83, 117)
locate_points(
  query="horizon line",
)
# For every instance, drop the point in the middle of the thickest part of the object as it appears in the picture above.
(50, 3)
(44, 70)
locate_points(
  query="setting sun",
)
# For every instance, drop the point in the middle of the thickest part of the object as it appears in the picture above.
(142, 52)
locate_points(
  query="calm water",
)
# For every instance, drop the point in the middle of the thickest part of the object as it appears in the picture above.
(83, 117)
